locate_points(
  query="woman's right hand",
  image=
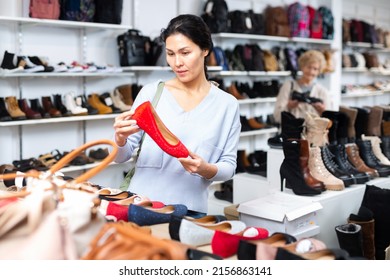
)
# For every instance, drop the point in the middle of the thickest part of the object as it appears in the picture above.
(292, 104)
(124, 126)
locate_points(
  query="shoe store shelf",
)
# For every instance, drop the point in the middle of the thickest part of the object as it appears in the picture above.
(363, 94)
(259, 132)
(92, 26)
(162, 68)
(76, 74)
(270, 38)
(255, 73)
(58, 120)
(257, 100)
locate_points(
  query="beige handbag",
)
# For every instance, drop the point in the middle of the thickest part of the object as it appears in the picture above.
(52, 218)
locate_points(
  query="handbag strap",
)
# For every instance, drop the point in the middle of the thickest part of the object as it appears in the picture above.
(155, 100)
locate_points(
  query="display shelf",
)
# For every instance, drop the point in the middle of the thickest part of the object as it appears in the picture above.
(257, 100)
(362, 94)
(259, 132)
(364, 45)
(66, 74)
(162, 68)
(58, 120)
(92, 26)
(255, 37)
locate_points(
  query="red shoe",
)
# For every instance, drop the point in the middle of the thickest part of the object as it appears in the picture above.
(225, 244)
(148, 120)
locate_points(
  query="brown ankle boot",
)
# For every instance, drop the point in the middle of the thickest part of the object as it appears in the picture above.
(304, 162)
(353, 156)
(95, 102)
(13, 108)
(126, 92)
(48, 106)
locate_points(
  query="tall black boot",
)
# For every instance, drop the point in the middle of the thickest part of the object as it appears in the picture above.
(338, 132)
(365, 219)
(361, 122)
(350, 239)
(291, 127)
(385, 146)
(378, 201)
(291, 171)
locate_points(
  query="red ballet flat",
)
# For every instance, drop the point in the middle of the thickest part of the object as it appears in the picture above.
(225, 244)
(148, 120)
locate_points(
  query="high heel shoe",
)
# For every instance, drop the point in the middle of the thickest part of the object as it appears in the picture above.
(292, 171)
(148, 120)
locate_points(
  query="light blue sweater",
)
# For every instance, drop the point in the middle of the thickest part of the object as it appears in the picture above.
(211, 130)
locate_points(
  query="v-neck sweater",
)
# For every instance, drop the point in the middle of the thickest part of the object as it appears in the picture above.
(210, 130)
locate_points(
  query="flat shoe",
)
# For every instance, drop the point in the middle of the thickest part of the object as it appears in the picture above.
(195, 234)
(146, 216)
(225, 244)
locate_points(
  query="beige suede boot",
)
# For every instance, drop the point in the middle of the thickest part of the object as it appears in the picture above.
(319, 171)
(316, 130)
(376, 148)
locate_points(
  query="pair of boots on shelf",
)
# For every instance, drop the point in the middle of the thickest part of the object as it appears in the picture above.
(359, 129)
(308, 148)
(321, 166)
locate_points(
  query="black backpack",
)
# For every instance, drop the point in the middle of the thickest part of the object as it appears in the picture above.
(215, 15)
(134, 48)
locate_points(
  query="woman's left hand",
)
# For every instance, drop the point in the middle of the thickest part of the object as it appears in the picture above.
(195, 164)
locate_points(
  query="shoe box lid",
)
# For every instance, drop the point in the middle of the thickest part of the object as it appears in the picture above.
(281, 212)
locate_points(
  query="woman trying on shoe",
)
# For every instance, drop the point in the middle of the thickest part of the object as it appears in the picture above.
(205, 118)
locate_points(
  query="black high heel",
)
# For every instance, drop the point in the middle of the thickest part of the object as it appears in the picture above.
(290, 170)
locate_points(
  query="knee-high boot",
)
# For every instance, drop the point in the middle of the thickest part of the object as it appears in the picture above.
(365, 218)
(291, 173)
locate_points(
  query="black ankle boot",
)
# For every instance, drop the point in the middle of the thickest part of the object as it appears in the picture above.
(385, 146)
(60, 105)
(340, 157)
(350, 239)
(290, 170)
(368, 156)
(331, 165)
(4, 115)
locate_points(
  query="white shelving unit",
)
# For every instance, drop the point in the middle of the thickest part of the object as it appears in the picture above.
(84, 42)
